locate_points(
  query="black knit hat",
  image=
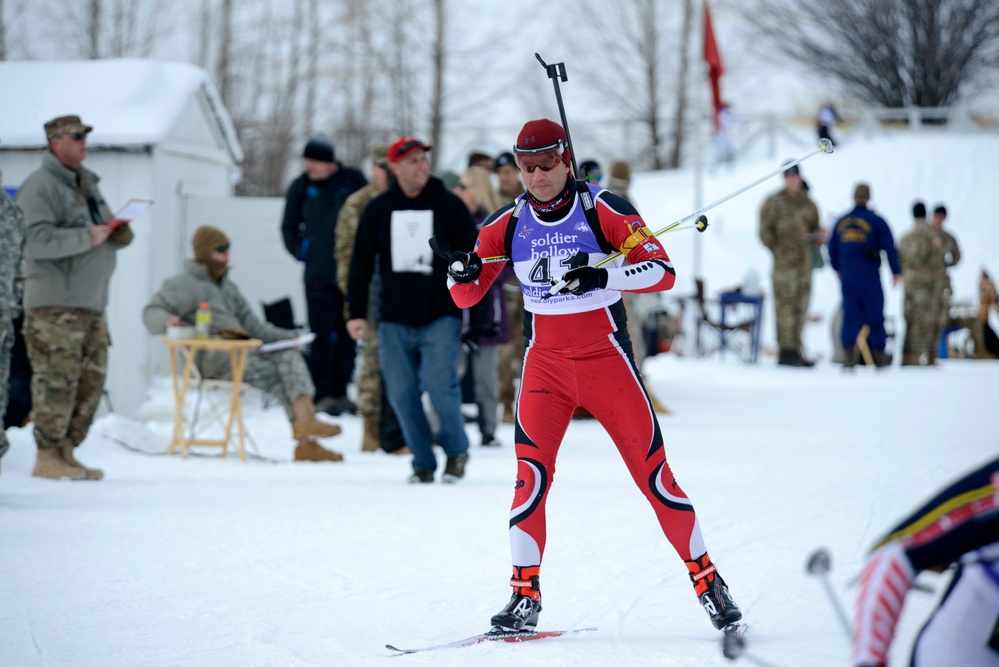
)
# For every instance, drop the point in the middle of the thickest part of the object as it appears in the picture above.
(319, 149)
(503, 159)
(919, 210)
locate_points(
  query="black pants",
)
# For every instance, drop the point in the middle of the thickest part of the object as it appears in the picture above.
(331, 361)
(19, 393)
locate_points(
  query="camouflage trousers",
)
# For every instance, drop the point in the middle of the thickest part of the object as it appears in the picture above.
(922, 319)
(511, 354)
(282, 374)
(369, 381)
(68, 351)
(6, 343)
(792, 290)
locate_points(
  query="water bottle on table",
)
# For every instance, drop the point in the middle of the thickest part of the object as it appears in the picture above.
(203, 321)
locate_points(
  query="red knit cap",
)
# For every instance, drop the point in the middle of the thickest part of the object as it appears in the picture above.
(543, 136)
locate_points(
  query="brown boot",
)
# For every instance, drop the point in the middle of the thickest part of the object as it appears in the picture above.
(850, 358)
(657, 407)
(51, 465)
(508, 415)
(67, 455)
(308, 449)
(306, 424)
(910, 359)
(372, 434)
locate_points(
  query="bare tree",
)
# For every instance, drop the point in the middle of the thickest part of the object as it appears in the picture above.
(223, 76)
(93, 30)
(629, 64)
(437, 98)
(680, 109)
(3, 30)
(312, 70)
(893, 52)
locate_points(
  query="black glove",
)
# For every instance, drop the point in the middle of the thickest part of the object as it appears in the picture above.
(471, 267)
(477, 332)
(583, 279)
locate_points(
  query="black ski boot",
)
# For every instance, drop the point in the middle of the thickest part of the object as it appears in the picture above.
(521, 613)
(712, 593)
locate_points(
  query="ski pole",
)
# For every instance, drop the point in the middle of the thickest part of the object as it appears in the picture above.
(825, 146)
(556, 72)
(819, 563)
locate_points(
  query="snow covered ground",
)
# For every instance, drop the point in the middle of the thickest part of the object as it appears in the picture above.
(212, 562)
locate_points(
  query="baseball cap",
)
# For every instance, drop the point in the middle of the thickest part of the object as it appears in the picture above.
(401, 147)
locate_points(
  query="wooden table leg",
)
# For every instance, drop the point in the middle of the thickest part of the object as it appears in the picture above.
(179, 417)
(237, 362)
(178, 398)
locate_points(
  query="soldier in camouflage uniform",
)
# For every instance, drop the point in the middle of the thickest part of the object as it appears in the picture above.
(380, 425)
(11, 288)
(283, 374)
(921, 253)
(951, 256)
(789, 227)
(511, 354)
(70, 253)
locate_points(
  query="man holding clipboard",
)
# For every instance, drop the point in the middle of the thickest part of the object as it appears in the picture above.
(70, 253)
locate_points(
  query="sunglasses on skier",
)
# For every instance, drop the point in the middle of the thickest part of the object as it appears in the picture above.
(545, 162)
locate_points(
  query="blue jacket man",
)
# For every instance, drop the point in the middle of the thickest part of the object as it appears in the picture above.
(855, 248)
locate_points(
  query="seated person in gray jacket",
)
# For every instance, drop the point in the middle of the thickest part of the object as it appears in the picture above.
(284, 373)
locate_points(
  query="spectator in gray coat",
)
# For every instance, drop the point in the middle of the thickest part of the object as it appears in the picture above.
(70, 253)
(282, 373)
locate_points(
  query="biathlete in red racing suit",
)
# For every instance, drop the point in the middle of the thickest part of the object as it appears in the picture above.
(578, 354)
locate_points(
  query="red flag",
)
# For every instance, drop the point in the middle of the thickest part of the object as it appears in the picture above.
(713, 58)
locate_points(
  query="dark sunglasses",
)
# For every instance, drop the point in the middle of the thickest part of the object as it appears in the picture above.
(545, 162)
(222, 249)
(79, 136)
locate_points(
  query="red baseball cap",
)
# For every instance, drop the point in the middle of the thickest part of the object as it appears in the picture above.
(400, 148)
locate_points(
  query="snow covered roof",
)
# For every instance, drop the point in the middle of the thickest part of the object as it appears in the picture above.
(130, 103)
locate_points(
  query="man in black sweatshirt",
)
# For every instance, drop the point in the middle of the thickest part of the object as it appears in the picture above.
(420, 329)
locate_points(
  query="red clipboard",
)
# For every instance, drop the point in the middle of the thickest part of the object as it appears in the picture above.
(132, 209)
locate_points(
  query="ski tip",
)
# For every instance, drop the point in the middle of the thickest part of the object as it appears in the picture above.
(735, 629)
(399, 651)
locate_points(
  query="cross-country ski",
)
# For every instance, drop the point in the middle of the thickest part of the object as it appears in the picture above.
(508, 637)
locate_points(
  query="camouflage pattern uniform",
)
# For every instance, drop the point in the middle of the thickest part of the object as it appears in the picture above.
(511, 354)
(369, 383)
(284, 374)
(11, 287)
(921, 253)
(951, 256)
(789, 227)
(65, 293)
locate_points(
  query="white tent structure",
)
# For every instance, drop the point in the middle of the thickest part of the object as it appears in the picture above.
(161, 133)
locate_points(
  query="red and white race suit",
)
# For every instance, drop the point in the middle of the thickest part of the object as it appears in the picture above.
(578, 354)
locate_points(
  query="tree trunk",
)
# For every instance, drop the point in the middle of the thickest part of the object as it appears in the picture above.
(94, 30)
(679, 126)
(437, 103)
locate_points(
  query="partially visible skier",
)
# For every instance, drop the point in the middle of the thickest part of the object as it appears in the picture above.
(959, 527)
(579, 355)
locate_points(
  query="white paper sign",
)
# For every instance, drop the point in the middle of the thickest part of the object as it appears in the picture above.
(411, 253)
